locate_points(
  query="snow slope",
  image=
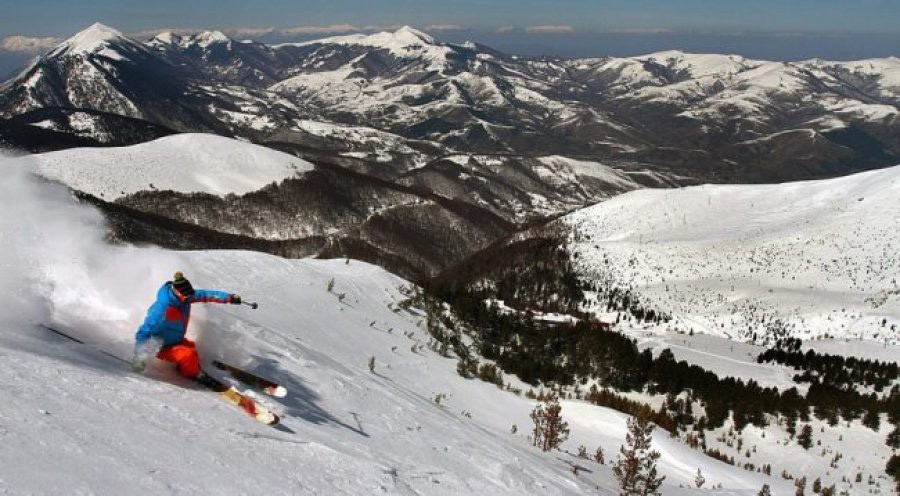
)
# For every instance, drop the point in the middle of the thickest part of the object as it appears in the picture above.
(818, 258)
(77, 421)
(187, 163)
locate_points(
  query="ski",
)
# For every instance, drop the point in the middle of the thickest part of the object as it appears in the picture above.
(234, 397)
(228, 393)
(254, 409)
(76, 340)
(252, 380)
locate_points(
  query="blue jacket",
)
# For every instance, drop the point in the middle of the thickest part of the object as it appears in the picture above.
(167, 319)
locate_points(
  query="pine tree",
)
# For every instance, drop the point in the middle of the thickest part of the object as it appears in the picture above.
(800, 486)
(598, 456)
(635, 469)
(699, 480)
(550, 430)
(872, 420)
(791, 425)
(805, 437)
(817, 485)
(764, 491)
(893, 469)
(893, 439)
(582, 452)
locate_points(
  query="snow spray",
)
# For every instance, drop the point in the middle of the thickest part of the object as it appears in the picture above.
(56, 267)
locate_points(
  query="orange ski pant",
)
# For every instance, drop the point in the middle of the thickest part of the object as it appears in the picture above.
(183, 354)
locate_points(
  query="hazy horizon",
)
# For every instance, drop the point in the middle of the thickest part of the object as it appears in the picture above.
(761, 29)
(768, 46)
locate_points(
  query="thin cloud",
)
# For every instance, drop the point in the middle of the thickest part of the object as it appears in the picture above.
(331, 29)
(505, 29)
(249, 32)
(635, 31)
(242, 32)
(376, 27)
(443, 27)
(550, 29)
(150, 33)
(27, 44)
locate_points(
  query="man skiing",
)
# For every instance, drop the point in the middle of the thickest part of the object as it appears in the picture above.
(166, 323)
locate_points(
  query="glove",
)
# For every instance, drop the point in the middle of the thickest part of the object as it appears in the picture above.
(142, 352)
(235, 299)
(138, 365)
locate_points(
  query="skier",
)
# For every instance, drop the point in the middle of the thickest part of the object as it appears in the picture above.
(166, 323)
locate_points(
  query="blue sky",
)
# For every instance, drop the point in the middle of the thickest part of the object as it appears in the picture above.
(59, 17)
(773, 29)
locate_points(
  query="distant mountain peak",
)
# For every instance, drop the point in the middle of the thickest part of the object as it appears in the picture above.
(90, 40)
(404, 42)
(401, 37)
(207, 38)
(411, 32)
(166, 37)
(203, 39)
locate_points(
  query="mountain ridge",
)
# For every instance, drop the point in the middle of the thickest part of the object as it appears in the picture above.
(458, 123)
(469, 97)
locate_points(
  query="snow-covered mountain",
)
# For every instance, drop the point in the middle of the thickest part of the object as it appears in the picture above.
(82, 72)
(416, 221)
(812, 260)
(102, 70)
(461, 135)
(430, 158)
(750, 118)
(710, 117)
(243, 63)
(514, 140)
(78, 421)
(185, 163)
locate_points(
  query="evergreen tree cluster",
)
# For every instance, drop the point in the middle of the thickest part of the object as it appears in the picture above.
(537, 274)
(568, 353)
(617, 299)
(607, 398)
(893, 469)
(532, 274)
(834, 370)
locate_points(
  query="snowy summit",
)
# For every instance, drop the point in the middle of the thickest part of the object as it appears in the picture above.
(208, 38)
(405, 42)
(91, 40)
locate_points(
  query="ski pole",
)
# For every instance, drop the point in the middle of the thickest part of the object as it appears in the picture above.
(253, 305)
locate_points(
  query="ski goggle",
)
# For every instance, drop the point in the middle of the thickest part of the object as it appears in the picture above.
(182, 297)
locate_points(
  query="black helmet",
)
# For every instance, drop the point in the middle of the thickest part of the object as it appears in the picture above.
(182, 285)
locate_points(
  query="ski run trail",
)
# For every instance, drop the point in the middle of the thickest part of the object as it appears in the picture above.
(76, 421)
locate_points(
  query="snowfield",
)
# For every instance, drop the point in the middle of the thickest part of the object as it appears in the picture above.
(817, 258)
(402, 43)
(187, 163)
(77, 421)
